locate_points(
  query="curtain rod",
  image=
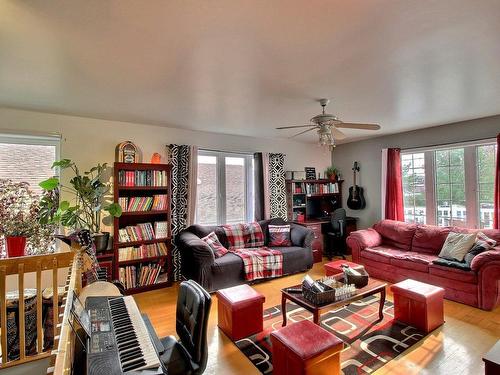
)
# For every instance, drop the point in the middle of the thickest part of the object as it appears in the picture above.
(450, 143)
(235, 152)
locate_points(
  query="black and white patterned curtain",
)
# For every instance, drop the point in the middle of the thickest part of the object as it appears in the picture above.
(184, 163)
(270, 189)
(277, 188)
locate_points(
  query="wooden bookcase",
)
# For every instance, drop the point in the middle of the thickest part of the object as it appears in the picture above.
(311, 197)
(132, 218)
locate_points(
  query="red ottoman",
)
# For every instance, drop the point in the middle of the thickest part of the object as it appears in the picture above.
(305, 348)
(240, 311)
(334, 268)
(418, 304)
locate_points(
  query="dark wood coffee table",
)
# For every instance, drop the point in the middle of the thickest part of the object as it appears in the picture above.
(373, 287)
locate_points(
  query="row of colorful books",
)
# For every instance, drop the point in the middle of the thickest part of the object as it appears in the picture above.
(142, 275)
(142, 178)
(143, 251)
(143, 232)
(157, 202)
(305, 188)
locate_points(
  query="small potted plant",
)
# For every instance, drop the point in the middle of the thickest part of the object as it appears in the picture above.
(89, 197)
(332, 173)
(19, 220)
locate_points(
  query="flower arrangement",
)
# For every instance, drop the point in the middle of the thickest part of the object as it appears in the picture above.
(20, 214)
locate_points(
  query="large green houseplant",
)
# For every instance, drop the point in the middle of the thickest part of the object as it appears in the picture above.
(89, 198)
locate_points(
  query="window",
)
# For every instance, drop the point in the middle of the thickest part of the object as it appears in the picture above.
(414, 187)
(225, 188)
(485, 156)
(28, 158)
(450, 186)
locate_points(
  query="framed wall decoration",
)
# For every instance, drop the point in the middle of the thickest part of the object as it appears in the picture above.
(310, 173)
(127, 152)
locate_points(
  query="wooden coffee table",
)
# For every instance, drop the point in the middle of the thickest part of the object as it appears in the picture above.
(373, 287)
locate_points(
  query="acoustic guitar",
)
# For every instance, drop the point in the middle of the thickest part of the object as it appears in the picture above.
(356, 200)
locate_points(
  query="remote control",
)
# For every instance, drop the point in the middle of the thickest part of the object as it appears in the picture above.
(294, 290)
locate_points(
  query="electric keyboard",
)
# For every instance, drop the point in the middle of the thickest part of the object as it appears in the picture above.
(119, 341)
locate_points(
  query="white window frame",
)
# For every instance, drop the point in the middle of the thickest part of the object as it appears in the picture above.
(221, 208)
(30, 139)
(471, 181)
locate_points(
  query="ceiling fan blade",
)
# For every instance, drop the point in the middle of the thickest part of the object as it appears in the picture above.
(352, 125)
(297, 126)
(305, 131)
(337, 134)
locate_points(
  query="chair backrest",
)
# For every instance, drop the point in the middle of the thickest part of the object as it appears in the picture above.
(338, 219)
(193, 309)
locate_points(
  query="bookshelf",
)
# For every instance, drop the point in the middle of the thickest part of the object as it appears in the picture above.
(142, 251)
(309, 199)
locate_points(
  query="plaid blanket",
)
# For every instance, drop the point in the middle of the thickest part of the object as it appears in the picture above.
(244, 235)
(261, 262)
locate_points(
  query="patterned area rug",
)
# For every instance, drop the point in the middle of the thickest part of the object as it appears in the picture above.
(368, 344)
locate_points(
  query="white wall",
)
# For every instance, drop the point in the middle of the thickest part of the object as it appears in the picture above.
(88, 141)
(368, 154)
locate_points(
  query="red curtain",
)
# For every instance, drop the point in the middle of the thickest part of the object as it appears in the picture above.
(394, 189)
(496, 209)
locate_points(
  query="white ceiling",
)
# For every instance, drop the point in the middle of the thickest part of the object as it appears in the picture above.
(245, 67)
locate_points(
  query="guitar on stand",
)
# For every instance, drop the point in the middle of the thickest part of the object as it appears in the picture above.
(356, 200)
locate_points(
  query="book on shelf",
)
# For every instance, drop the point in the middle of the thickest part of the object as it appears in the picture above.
(143, 251)
(143, 232)
(161, 229)
(142, 178)
(158, 202)
(141, 275)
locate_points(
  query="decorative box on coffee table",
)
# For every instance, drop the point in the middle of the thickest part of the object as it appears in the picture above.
(335, 267)
(240, 311)
(305, 348)
(418, 304)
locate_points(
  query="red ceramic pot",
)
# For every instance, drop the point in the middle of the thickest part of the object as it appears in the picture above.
(15, 246)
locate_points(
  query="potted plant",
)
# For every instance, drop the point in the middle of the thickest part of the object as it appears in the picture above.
(19, 220)
(89, 197)
(332, 173)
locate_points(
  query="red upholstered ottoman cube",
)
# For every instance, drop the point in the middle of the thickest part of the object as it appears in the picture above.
(240, 311)
(305, 348)
(334, 268)
(418, 304)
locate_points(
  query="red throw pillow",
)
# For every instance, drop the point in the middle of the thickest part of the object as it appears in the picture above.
(279, 235)
(213, 242)
(254, 237)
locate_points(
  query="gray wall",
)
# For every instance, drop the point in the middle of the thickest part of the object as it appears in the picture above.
(368, 154)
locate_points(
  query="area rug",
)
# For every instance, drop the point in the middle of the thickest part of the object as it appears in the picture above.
(369, 343)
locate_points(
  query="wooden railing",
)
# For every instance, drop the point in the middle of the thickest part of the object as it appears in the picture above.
(21, 267)
(62, 359)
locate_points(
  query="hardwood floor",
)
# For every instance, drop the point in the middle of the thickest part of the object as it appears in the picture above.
(455, 348)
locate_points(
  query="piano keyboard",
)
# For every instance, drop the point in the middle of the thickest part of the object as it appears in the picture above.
(135, 349)
(120, 341)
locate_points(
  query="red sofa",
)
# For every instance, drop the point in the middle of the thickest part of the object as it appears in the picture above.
(394, 251)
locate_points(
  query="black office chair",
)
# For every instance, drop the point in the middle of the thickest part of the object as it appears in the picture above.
(337, 235)
(189, 354)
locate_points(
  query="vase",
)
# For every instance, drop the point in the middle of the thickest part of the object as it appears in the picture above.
(101, 241)
(15, 246)
(332, 178)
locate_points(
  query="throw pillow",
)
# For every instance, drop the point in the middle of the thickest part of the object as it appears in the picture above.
(483, 243)
(254, 237)
(279, 235)
(235, 234)
(213, 242)
(457, 245)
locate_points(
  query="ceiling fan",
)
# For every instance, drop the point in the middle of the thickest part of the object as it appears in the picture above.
(327, 126)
